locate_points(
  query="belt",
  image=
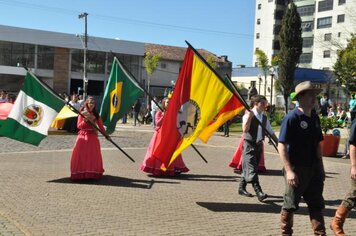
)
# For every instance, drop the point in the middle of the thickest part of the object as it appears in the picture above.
(254, 143)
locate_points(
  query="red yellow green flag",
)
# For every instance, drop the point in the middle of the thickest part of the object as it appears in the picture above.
(199, 95)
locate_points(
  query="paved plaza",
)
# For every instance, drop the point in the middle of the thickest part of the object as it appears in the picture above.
(38, 198)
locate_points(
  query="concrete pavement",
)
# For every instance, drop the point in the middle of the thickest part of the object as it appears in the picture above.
(37, 197)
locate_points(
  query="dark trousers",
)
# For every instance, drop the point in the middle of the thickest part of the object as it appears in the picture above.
(251, 156)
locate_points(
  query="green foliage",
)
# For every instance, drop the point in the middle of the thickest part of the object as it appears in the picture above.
(328, 123)
(345, 66)
(211, 61)
(291, 48)
(278, 117)
(151, 62)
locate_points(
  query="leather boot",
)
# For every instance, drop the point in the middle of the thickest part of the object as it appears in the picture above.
(338, 221)
(287, 222)
(260, 195)
(318, 223)
(242, 189)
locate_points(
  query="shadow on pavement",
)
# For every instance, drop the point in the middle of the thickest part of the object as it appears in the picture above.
(109, 180)
(260, 208)
(194, 177)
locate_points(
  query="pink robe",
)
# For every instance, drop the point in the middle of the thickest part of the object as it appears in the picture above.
(236, 161)
(152, 165)
(86, 161)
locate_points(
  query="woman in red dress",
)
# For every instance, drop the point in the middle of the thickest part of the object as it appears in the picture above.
(151, 164)
(86, 161)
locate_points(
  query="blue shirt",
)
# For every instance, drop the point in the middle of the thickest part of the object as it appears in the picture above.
(301, 134)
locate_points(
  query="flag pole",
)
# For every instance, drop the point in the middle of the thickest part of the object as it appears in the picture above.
(235, 92)
(78, 112)
(150, 96)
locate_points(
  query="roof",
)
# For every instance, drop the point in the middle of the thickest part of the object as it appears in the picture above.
(177, 53)
(300, 74)
(55, 39)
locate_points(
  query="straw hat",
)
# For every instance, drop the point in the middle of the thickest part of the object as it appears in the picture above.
(304, 86)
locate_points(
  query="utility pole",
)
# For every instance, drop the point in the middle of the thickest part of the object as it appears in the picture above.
(85, 79)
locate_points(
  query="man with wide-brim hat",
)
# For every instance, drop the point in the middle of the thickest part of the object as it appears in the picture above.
(299, 150)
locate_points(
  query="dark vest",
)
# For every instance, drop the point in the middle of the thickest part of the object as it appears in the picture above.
(251, 135)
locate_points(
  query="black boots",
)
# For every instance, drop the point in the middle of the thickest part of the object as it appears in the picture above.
(260, 195)
(242, 189)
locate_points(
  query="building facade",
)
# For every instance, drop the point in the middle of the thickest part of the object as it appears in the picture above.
(326, 26)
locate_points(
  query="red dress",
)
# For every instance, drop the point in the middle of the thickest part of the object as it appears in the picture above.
(86, 161)
(152, 165)
(236, 161)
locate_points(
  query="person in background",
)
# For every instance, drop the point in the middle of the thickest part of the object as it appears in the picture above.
(3, 96)
(86, 160)
(153, 165)
(254, 135)
(299, 150)
(352, 106)
(136, 111)
(349, 201)
(226, 129)
(154, 109)
(325, 103)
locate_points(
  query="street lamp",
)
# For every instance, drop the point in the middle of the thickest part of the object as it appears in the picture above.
(259, 83)
(272, 73)
(85, 79)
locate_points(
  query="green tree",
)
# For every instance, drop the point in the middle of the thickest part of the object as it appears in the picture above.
(151, 64)
(262, 61)
(345, 66)
(211, 61)
(291, 43)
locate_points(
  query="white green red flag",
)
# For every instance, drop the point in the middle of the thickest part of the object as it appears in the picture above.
(35, 108)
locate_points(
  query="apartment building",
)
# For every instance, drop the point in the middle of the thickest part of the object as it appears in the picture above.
(326, 26)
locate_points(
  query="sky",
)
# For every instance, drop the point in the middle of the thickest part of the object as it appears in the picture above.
(223, 27)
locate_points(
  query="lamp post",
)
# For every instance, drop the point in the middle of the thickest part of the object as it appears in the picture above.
(272, 73)
(259, 83)
(85, 79)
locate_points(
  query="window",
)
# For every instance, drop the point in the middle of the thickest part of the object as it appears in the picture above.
(45, 57)
(277, 29)
(341, 18)
(259, 6)
(278, 14)
(280, 2)
(258, 21)
(327, 37)
(326, 54)
(305, 58)
(326, 5)
(253, 84)
(307, 26)
(339, 34)
(306, 10)
(17, 54)
(342, 2)
(324, 22)
(276, 45)
(257, 35)
(308, 42)
(163, 65)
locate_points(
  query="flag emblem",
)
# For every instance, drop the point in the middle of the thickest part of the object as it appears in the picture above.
(32, 115)
(188, 118)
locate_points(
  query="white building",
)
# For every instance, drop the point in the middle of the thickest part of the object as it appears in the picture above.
(326, 26)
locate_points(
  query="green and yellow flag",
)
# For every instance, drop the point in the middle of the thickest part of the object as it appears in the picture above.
(120, 94)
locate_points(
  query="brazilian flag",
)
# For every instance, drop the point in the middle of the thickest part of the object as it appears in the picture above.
(121, 92)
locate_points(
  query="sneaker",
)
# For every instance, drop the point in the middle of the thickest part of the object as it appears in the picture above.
(347, 156)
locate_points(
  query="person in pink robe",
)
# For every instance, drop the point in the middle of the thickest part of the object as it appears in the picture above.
(151, 164)
(86, 161)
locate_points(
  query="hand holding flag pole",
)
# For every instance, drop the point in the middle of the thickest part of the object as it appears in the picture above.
(90, 122)
(151, 97)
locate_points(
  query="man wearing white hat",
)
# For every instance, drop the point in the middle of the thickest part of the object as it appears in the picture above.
(299, 150)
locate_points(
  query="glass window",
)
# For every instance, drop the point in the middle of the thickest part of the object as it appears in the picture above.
(45, 57)
(307, 26)
(258, 21)
(326, 54)
(327, 37)
(278, 14)
(130, 62)
(281, 2)
(17, 54)
(259, 6)
(257, 35)
(341, 18)
(277, 29)
(339, 34)
(342, 2)
(306, 10)
(77, 60)
(305, 58)
(96, 62)
(276, 45)
(308, 42)
(324, 22)
(326, 5)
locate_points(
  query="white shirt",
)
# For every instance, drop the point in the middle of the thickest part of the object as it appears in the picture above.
(259, 117)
